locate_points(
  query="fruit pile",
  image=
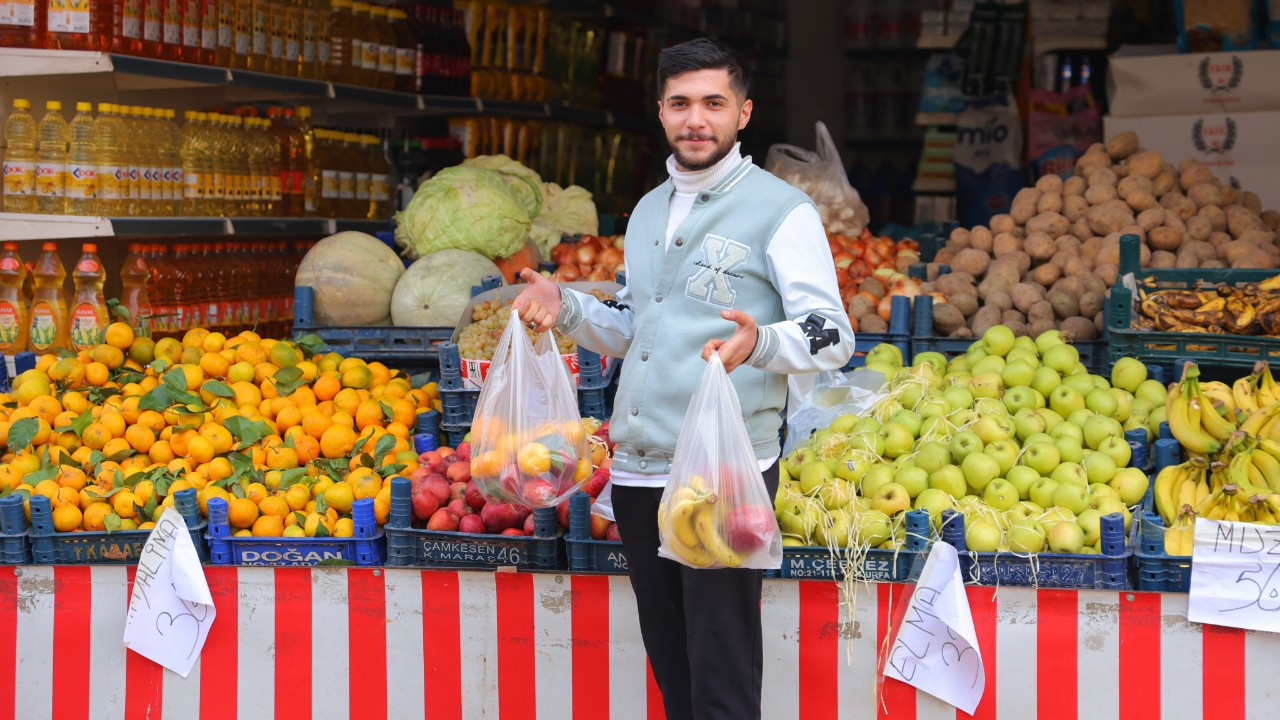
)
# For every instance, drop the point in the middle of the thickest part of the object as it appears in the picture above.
(1232, 437)
(1016, 435)
(706, 530)
(288, 437)
(447, 498)
(1248, 309)
(869, 271)
(592, 257)
(489, 319)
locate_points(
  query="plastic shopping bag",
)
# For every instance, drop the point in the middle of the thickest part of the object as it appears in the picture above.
(715, 511)
(825, 397)
(820, 174)
(528, 444)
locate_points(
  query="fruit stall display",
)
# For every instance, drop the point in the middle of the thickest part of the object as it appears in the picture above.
(870, 272)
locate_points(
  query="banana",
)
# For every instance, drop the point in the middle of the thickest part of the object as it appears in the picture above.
(1273, 504)
(1210, 421)
(1221, 394)
(1186, 494)
(682, 515)
(705, 525)
(1179, 538)
(1163, 493)
(1268, 466)
(1211, 503)
(1243, 393)
(1184, 423)
(1268, 391)
(1255, 422)
(696, 556)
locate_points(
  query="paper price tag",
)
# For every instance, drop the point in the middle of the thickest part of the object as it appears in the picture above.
(1235, 575)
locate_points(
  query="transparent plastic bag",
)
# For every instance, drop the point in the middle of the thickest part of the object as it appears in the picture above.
(603, 505)
(715, 511)
(820, 174)
(528, 444)
(825, 396)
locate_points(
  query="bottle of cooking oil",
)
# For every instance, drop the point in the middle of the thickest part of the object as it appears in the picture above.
(140, 188)
(80, 25)
(192, 152)
(209, 20)
(343, 146)
(310, 189)
(152, 27)
(342, 56)
(173, 160)
(293, 63)
(134, 274)
(325, 174)
(14, 314)
(320, 10)
(107, 144)
(224, 50)
(48, 327)
(82, 165)
(385, 41)
(406, 50)
(237, 177)
(23, 25)
(364, 45)
(380, 180)
(275, 36)
(258, 28)
(275, 185)
(51, 160)
(218, 164)
(153, 143)
(20, 159)
(309, 32)
(363, 176)
(242, 39)
(192, 25)
(88, 306)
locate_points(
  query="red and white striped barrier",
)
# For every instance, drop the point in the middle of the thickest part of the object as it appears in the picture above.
(389, 643)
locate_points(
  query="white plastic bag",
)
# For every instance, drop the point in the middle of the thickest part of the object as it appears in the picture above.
(528, 443)
(825, 397)
(820, 174)
(715, 511)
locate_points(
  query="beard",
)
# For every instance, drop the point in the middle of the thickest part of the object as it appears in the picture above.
(721, 149)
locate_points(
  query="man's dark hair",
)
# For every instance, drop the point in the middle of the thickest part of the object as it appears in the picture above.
(702, 54)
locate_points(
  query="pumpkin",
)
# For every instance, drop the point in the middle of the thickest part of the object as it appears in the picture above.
(436, 288)
(527, 257)
(352, 275)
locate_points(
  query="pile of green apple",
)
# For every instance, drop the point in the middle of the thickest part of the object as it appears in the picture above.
(1015, 434)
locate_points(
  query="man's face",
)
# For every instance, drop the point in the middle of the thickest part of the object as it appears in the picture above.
(701, 115)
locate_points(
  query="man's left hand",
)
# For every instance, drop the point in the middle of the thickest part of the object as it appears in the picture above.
(735, 350)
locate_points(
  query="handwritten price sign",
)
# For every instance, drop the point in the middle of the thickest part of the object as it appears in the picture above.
(1235, 575)
(936, 649)
(170, 610)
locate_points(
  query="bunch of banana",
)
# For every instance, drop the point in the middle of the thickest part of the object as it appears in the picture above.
(1194, 418)
(1249, 309)
(688, 523)
(1179, 488)
(1180, 539)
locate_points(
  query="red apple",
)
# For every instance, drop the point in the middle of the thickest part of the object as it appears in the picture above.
(459, 472)
(432, 461)
(457, 490)
(463, 451)
(599, 526)
(596, 484)
(562, 514)
(750, 527)
(445, 451)
(538, 493)
(612, 533)
(603, 434)
(459, 507)
(515, 532)
(438, 487)
(442, 519)
(425, 502)
(474, 497)
(500, 516)
(471, 524)
(528, 525)
(451, 459)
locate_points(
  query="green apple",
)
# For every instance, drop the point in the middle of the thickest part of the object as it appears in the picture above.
(813, 475)
(835, 494)
(911, 394)
(791, 518)
(1051, 418)
(1005, 453)
(1080, 417)
(1090, 522)
(1053, 515)
(960, 418)
(1042, 457)
(1128, 373)
(1153, 392)
(872, 528)
(1028, 422)
(1065, 400)
(914, 479)
(1022, 478)
(1100, 382)
(949, 479)
(982, 535)
(886, 353)
(1079, 382)
(963, 444)
(1000, 494)
(994, 427)
(958, 364)
(1072, 497)
(1130, 485)
(898, 440)
(1065, 537)
(1124, 404)
(1061, 357)
(1022, 511)
(1067, 429)
(869, 441)
(866, 424)
(998, 340)
(1101, 402)
(851, 469)
(979, 469)
(1017, 373)
(1034, 438)
(936, 359)
(1099, 492)
(986, 385)
(1156, 417)
(1045, 380)
(1026, 537)
(796, 460)
(1099, 428)
(907, 419)
(1018, 398)
(1117, 448)
(1048, 339)
(874, 477)
(837, 533)
(1069, 473)
(989, 364)
(932, 455)
(1017, 355)
(932, 407)
(1026, 344)
(844, 424)
(958, 398)
(1069, 449)
(934, 501)
(1099, 467)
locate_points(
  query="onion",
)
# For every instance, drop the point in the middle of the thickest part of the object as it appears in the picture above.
(842, 258)
(600, 274)
(560, 253)
(885, 308)
(585, 254)
(609, 256)
(620, 241)
(568, 273)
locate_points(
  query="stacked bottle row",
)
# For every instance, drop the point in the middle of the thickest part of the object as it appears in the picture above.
(136, 161)
(35, 312)
(423, 49)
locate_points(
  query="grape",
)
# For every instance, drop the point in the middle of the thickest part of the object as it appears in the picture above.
(479, 340)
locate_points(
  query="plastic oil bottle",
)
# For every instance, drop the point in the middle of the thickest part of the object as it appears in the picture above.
(126, 27)
(108, 145)
(20, 159)
(82, 164)
(364, 45)
(134, 274)
(341, 56)
(343, 146)
(22, 24)
(80, 25)
(13, 304)
(51, 159)
(380, 179)
(48, 328)
(209, 31)
(88, 305)
(310, 188)
(275, 37)
(173, 160)
(323, 16)
(384, 39)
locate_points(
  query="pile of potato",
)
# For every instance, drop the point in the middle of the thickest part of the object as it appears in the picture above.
(1050, 261)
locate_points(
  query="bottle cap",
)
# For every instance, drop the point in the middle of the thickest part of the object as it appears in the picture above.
(340, 3)
(11, 246)
(304, 111)
(52, 105)
(397, 14)
(22, 103)
(49, 247)
(105, 108)
(377, 10)
(189, 115)
(89, 248)
(359, 6)
(168, 113)
(84, 107)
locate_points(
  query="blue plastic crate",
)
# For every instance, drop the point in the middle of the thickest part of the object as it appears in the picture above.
(398, 347)
(899, 334)
(122, 547)
(14, 543)
(1107, 571)
(367, 547)
(13, 366)
(807, 563)
(1093, 353)
(459, 403)
(1154, 570)
(410, 547)
(585, 553)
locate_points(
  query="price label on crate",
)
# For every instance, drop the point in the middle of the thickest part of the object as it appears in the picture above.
(170, 609)
(936, 648)
(1235, 575)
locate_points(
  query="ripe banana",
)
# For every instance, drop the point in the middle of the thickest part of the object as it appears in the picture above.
(705, 526)
(1167, 481)
(1179, 539)
(1221, 394)
(1184, 422)
(1211, 422)
(1244, 393)
(686, 506)
(1253, 424)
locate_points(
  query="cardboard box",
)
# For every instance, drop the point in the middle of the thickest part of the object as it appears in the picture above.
(1183, 83)
(1242, 148)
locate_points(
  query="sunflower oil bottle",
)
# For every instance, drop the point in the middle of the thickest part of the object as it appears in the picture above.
(111, 171)
(276, 32)
(320, 11)
(134, 274)
(209, 23)
(82, 164)
(342, 54)
(380, 182)
(173, 160)
(78, 24)
(225, 39)
(22, 24)
(310, 187)
(13, 304)
(152, 27)
(20, 159)
(293, 64)
(51, 160)
(47, 329)
(384, 39)
(344, 144)
(309, 62)
(126, 27)
(324, 174)
(88, 305)
(192, 152)
(364, 45)
(192, 25)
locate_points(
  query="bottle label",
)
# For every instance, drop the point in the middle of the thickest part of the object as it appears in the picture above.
(308, 36)
(362, 186)
(173, 21)
(191, 23)
(209, 25)
(44, 325)
(277, 47)
(177, 180)
(356, 60)
(387, 59)
(329, 184)
(19, 178)
(86, 326)
(69, 16)
(161, 185)
(153, 21)
(242, 43)
(226, 23)
(368, 55)
(380, 187)
(346, 186)
(21, 13)
(292, 49)
(108, 182)
(406, 61)
(309, 51)
(143, 182)
(259, 30)
(277, 188)
(82, 182)
(323, 52)
(131, 19)
(50, 179)
(9, 327)
(134, 184)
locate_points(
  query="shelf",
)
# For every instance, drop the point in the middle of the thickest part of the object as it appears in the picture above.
(937, 42)
(30, 227)
(938, 118)
(1051, 43)
(934, 186)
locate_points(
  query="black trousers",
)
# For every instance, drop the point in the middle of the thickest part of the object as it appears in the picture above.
(701, 628)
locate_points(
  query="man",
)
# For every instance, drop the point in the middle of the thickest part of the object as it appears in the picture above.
(723, 257)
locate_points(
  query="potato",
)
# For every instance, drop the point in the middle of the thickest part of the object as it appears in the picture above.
(1262, 238)
(956, 282)
(1008, 317)
(1145, 255)
(946, 318)
(1240, 219)
(1199, 227)
(1050, 202)
(1255, 259)
(1102, 176)
(1074, 207)
(1041, 310)
(1038, 327)
(1050, 183)
(1091, 246)
(1150, 219)
(1205, 251)
(1002, 223)
(1073, 186)
(1187, 258)
(966, 303)
(1005, 243)
(1109, 250)
(1024, 205)
(1081, 228)
(1213, 264)
(873, 324)
(1271, 219)
(1122, 145)
(1147, 163)
(944, 256)
(1252, 202)
(1204, 195)
(1193, 173)
(1073, 286)
(972, 261)
(1163, 183)
(1075, 267)
(1018, 260)
(1064, 304)
(1163, 238)
(1049, 222)
(1001, 300)
(999, 280)
(1067, 243)
(1092, 283)
(1171, 220)
(1091, 304)
(1134, 183)
(1098, 194)
(1046, 274)
(984, 319)
(1107, 273)
(1109, 217)
(1227, 195)
(1039, 246)
(1024, 295)
(1237, 249)
(963, 332)
(1139, 200)
(1179, 204)
(1078, 329)
(980, 238)
(1162, 259)
(959, 235)
(1091, 161)
(861, 306)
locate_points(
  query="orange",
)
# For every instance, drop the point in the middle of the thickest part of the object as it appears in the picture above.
(343, 418)
(282, 458)
(213, 342)
(241, 513)
(219, 436)
(364, 482)
(315, 423)
(205, 494)
(220, 468)
(288, 417)
(313, 523)
(297, 496)
(326, 387)
(347, 401)
(95, 516)
(308, 448)
(268, 526)
(71, 477)
(118, 335)
(144, 490)
(194, 337)
(214, 365)
(382, 505)
(142, 350)
(123, 503)
(274, 505)
(151, 419)
(200, 449)
(114, 423)
(46, 407)
(345, 527)
(115, 446)
(250, 352)
(181, 441)
(246, 393)
(108, 356)
(160, 452)
(76, 402)
(140, 437)
(368, 413)
(398, 429)
(339, 496)
(337, 441)
(67, 518)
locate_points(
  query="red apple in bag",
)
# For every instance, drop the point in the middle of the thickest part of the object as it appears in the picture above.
(750, 527)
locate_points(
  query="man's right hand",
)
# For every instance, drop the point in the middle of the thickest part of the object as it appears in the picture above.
(539, 302)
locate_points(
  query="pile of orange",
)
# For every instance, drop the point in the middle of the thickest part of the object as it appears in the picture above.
(288, 438)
